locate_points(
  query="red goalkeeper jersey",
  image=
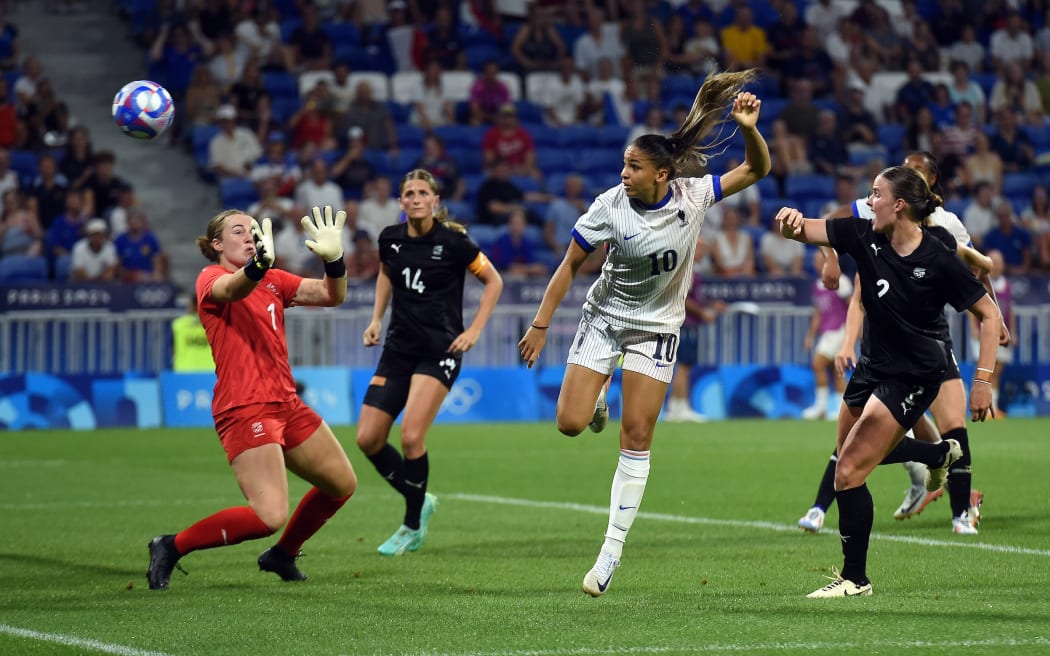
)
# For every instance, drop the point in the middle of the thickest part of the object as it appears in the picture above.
(247, 339)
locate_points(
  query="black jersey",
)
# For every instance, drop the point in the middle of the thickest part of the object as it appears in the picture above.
(426, 274)
(906, 336)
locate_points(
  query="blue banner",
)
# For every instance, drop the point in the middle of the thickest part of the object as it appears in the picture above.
(86, 296)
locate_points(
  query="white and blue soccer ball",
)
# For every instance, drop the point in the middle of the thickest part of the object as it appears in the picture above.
(143, 109)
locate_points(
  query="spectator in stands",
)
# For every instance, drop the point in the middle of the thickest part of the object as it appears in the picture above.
(1011, 43)
(78, 157)
(353, 170)
(379, 209)
(496, 195)
(20, 229)
(744, 44)
(270, 203)
(341, 88)
(845, 195)
(780, 256)
(1012, 144)
(8, 176)
(277, 164)
(824, 15)
(563, 211)
(103, 186)
(1010, 239)
(1042, 78)
(488, 94)
(968, 50)
(858, 126)
(881, 40)
(118, 216)
(563, 96)
(703, 43)
(963, 89)
(258, 36)
(1036, 220)
(234, 149)
(942, 107)
(431, 104)
(203, 96)
(246, 92)
(226, 62)
(1042, 37)
(176, 51)
(677, 59)
(139, 251)
(362, 263)
(787, 151)
(8, 42)
(915, 94)
(827, 147)
(308, 47)
(48, 189)
(435, 159)
(979, 215)
(442, 43)
(922, 46)
(600, 41)
(9, 119)
(67, 227)
(732, 251)
(811, 62)
(510, 143)
(655, 122)
(785, 37)
(644, 47)
(845, 44)
(94, 258)
(1015, 93)
(314, 121)
(961, 135)
(609, 99)
(373, 117)
(537, 46)
(317, 189)
(982, 165)
(800, 114)
(26, 83)
(292, 253)
(514, 253)
(921, 131)
(402, 37)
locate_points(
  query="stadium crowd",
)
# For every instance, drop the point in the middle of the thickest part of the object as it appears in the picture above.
(522, 110)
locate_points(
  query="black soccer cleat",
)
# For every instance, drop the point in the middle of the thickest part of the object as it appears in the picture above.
(163, 558)
(276, 560)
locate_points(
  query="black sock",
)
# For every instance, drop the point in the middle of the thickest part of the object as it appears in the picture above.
(390, 465)
(416, 473)
(826, 491)
(960, 480)
(856, 514)
(912, 450)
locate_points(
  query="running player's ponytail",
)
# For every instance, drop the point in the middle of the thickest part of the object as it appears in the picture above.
(440, 212)
(684, 152)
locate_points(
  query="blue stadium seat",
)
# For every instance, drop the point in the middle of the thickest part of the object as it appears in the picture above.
(281, 85)
(484, 234)
(1040, 136)
(768, 187)
(526, 183)
(859, 156)
(553, 160)
(468, 159)
(1019, 184)
(23, 268)
(342, 33)
(612, 136)
(891, 135)
(555, 183)
(63, 267)
(237, 192)
(529, 112)
(460, 136)
(543, 135)
(410, 136)
(379, 161)
(986, 81)
(471, 35)
(24, 163)
(288, 26)
(803, 187)
(957, 206)
(459, 210)
(284, 108)
(402, 162)
(679, 84)
(577, 136)
(768, 207)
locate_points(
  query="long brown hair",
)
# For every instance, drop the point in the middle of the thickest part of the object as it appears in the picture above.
(440, 212)
(909, 185)
(684, 152)
(215, 228)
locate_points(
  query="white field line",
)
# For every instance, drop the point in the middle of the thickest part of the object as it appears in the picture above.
(766, 647)
(772, 526)
(72, 641)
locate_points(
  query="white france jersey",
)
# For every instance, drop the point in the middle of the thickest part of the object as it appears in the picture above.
(941, 217)
(649, 266)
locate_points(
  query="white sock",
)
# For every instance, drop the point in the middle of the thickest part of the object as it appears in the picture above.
(995, 398)
(677, 406)
(628, 486)
(822, 398)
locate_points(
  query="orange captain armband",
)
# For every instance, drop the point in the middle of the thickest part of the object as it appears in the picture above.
(479, 264)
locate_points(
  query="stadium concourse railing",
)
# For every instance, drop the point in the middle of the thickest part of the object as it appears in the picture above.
(101, 342)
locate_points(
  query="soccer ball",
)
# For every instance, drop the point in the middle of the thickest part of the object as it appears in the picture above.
(143, 109)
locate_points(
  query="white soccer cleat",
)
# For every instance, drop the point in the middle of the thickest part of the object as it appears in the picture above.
(812, 521)
(601, 413)
(813, 412)
(915, 501)
(840, 587)
(964, 524)
(937, 476)
(596, 581)
(684, 415)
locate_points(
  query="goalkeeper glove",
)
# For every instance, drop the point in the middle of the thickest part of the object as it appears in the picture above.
(326, 233)
(262, 236)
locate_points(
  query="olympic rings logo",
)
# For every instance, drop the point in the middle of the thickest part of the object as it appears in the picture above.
(462, 397)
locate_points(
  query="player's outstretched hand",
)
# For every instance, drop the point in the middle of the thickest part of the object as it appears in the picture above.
(745, 109)
(326, 233)
(790, 222)
(532, 344)
(262, 236)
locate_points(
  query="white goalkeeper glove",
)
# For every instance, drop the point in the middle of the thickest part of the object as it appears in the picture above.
(326, 233)
(262, 235)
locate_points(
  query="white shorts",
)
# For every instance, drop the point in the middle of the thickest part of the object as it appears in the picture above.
(1005, 354)
(830, 342)
(598, 346)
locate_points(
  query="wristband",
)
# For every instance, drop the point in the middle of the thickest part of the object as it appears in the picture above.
(978, 380)
(335, 268)
(539, 327)
(255, 269)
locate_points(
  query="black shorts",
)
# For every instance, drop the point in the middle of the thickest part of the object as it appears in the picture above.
(398, 368)
(907, 402)
(953, 367)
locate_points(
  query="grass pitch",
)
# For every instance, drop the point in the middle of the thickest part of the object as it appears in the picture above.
(714, 563)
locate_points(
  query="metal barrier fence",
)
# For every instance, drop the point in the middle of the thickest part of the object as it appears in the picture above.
(91, 342)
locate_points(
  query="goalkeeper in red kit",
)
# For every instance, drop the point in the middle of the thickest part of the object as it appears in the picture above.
(262, 423)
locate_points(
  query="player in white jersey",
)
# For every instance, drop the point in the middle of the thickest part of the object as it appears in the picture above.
(649, 224)
(949, 408)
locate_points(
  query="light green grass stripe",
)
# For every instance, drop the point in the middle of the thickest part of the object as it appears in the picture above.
(836, 646)
(683, 519)
(72, 641)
